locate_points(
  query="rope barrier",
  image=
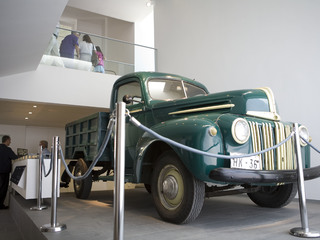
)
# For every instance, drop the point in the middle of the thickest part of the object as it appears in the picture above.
(93, 164)
(138, 124)
(307, 142)
(169, 141)
(44, 167)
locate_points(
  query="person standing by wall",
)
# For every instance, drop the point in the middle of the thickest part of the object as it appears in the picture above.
(6, 155)
(69, 44)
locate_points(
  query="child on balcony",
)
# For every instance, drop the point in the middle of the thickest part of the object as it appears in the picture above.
(101, 58)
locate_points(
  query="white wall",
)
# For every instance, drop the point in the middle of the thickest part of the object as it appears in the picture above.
(120, 30)
(144, 35)
(57, 85)
(234, 44)
(101, 25)
(29, 136)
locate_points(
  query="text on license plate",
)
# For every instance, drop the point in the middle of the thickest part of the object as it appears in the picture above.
(252, 163)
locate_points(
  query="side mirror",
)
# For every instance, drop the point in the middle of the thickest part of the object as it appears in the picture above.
(127, 99)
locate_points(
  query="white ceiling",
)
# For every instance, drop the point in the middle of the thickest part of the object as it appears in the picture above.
(25, 28)
(44, 115)
(127, 10)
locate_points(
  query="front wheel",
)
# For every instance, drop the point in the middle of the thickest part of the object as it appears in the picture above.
(82, 188)
(274, 196)
(177, 195)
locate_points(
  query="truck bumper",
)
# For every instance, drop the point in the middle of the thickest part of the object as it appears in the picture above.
(230, 175)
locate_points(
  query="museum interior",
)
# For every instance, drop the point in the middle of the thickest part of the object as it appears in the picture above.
(225, 78)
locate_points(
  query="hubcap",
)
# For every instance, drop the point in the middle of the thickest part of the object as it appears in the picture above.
(170, 187)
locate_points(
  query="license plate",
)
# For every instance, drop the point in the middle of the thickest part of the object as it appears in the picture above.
(251, 163)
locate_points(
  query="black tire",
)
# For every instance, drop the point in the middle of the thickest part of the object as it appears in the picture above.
(274, 196)
(177, 195)
(82, 188)
(147, 187)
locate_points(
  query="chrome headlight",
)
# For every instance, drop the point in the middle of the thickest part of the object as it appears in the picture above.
(303, 132)
(240, 130)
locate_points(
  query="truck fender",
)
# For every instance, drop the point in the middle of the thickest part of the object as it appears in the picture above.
(192, 132)
(79, 152)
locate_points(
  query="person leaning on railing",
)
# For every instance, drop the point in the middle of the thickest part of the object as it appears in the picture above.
(69, 44)
(53, 48)
(86, 47)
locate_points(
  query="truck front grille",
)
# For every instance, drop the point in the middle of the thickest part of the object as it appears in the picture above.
(264, 135)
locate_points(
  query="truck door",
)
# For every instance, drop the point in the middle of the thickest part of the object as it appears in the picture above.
(136, 108)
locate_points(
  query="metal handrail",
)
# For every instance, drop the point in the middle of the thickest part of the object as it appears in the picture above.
(113, 61)
(108, 38)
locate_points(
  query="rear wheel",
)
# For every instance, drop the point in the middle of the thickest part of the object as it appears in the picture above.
(177, 195)
(274, 196)
(82, 188)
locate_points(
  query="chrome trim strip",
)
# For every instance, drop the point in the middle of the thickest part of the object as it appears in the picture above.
(265, 141)
(272, 115)
(259, 139)
(283, 158)
(203, 109)
(270, 143)
(270, 96)
(264, 135)
(255, 133)
(278, 151)
(135, 111)
(265, 115)
(289, 148)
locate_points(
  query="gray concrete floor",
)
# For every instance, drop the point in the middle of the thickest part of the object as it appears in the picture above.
(8, 228)
(228, 217)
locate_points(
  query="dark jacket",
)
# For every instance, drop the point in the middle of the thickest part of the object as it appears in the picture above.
(6, 155)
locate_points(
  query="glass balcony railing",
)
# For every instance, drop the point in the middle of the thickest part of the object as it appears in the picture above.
(120, 57)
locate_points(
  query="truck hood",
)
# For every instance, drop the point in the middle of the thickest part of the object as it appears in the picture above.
(252, 102)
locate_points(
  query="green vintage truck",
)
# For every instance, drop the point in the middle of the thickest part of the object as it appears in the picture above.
(181, 109)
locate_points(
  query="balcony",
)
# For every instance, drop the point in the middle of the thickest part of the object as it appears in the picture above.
(121, 57)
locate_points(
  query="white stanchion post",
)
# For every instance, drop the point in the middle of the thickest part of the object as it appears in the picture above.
(39, 207)
(54, 226)
(303, 231)
(119, 166)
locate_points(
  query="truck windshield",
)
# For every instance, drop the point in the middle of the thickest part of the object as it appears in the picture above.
(168, 89)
